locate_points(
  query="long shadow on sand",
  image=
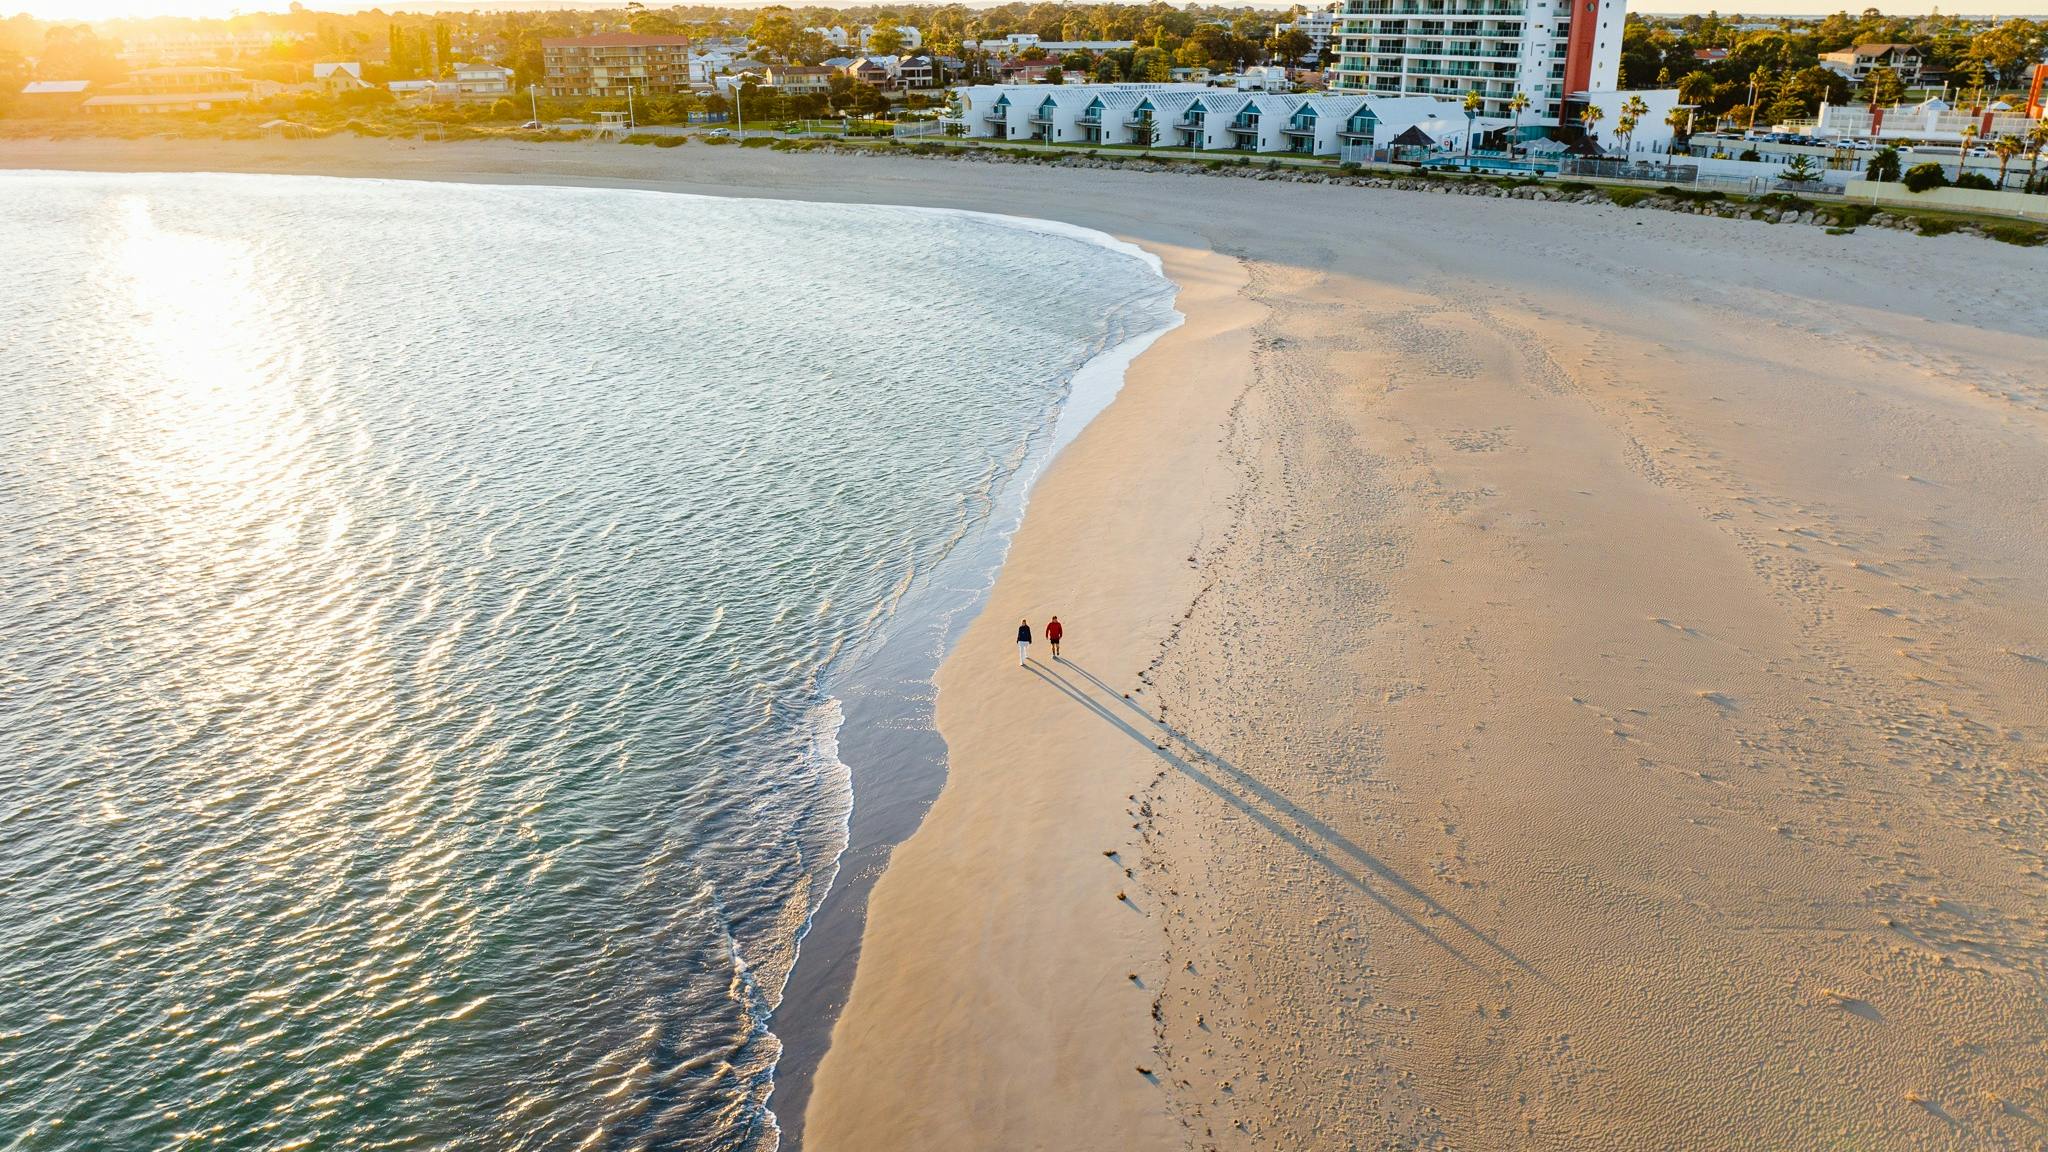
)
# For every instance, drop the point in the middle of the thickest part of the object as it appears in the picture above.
(1317, 840)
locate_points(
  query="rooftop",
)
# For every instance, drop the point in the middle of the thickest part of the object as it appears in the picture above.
(617, 40)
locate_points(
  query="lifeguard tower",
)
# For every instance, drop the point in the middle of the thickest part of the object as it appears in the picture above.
(613, 126)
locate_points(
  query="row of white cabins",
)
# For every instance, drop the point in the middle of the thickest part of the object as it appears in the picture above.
(1200, 118)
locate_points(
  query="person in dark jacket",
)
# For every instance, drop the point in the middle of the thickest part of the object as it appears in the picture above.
(1023, 642)
(1053, 632)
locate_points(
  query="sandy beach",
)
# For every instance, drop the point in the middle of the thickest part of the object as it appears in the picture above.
(1538, 676)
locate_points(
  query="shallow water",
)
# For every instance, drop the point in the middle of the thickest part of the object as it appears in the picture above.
(424, 606)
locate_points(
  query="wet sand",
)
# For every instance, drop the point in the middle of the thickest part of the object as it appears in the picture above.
(1587, 685)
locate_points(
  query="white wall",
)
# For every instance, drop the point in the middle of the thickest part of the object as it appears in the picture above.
(1652, 136)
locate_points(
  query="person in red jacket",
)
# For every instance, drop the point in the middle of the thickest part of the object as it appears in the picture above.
(1053, 632)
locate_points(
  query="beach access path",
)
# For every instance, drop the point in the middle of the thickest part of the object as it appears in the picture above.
(1587, 672)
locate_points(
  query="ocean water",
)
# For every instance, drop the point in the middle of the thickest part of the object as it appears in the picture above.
(423, 610)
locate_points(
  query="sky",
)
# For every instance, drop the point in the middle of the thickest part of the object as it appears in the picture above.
(110, 9)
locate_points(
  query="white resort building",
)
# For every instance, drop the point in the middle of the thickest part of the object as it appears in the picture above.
(1931, 120)
(1200, 118)
(1548, 50)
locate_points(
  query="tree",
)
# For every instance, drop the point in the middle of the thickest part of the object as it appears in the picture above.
(1759, 88)
(444, 56)
(1802, 170)
(1291, 47)
(1474, 102)
(1921, 177)
(1589, 119)
(1884, 167)
(1632, 112)
(774, 33)
(1696, 88)
(1625, 127)
(2005, 148)
(2007, 47)
(1150, 66)
(1055, 75)
(1517, 103)
(886, 41)
(1679, 120)
(645, 23)
(1963, 153)
(1885, 89)
(2037, 136)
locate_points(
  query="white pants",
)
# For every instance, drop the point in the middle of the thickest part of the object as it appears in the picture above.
(1023, 651)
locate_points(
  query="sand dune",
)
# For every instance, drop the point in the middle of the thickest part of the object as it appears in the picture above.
(1587, 683)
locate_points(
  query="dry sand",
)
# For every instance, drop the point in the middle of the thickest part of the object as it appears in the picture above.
(1603, 670)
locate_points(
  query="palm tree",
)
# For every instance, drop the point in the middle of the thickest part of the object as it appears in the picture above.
(1633, 110)
(1625, 127)
(2005, 148)
(1473, 103)
(1759, 83)
(1963, 153)
(2037, 136)
(1676, 120)
(1589, 118)
(1516, 104)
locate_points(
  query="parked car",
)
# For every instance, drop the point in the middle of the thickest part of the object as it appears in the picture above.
(721, 133)
(532, 126)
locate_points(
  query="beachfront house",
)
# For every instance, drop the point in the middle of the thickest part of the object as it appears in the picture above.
(1859, 62)
(477, 82)
(335, 79)
(1317, 124)
(800, 80)
(1107, 118)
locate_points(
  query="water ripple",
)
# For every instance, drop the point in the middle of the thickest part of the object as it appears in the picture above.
(417, 601)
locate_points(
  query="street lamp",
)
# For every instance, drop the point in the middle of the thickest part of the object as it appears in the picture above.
(533, 95)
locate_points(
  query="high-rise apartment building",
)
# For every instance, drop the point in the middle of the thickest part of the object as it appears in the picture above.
(1545, 49)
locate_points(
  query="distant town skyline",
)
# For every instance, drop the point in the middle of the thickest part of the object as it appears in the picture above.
(87, 10)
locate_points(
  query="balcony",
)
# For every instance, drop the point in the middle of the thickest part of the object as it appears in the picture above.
(1089, 119)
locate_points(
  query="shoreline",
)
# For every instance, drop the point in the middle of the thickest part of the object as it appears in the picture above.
(893, 776)
(1539, 678)
(821, 977)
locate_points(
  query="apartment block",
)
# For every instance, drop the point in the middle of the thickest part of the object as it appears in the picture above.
(615, 63)
(1548, 50)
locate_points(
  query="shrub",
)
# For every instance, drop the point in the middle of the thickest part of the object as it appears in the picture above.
(718, 139)
(1751, 155)
(1786, 201)
(1272, 165)
(1930, 226)
(1349, 166)
(670, 141)
(1921, 177)
(1691, 195)
(1849, 217)
(761, 142)
(1977, 180)
(1884, 167)
(1623, 197)
(1573, 187)
(2026, 236)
